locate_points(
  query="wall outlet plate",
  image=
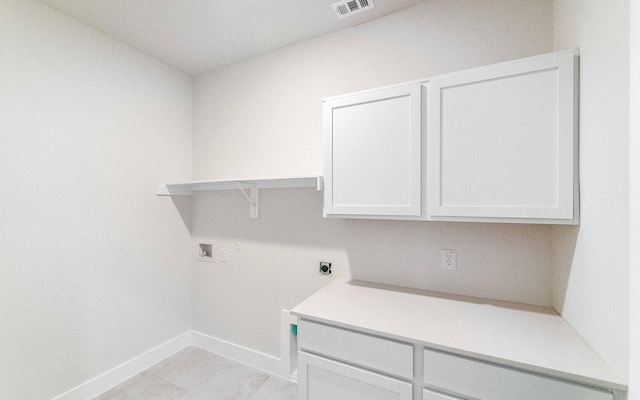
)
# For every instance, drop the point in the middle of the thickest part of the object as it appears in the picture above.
(325, 268)
(205, 251)
(449, 259)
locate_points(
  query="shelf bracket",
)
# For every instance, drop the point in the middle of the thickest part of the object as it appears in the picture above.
(252, 198)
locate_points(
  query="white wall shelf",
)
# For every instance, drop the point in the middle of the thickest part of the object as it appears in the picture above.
(253, 185)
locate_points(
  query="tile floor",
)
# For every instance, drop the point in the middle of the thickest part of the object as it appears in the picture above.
(196, 374)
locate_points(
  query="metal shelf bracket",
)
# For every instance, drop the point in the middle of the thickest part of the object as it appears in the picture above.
(253, 198)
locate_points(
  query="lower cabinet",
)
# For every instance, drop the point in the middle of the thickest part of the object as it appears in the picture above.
(359, 340)
(342, 364)
(322, 379)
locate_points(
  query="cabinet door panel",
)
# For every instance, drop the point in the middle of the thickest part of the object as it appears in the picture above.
(322, 379)
(372, 153)
(501, 140)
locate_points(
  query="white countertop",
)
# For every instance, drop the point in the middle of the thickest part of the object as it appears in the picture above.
(518, 335)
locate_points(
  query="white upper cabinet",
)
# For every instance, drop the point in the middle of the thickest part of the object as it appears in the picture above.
(372, 153)
(502, 142)
(492, 144)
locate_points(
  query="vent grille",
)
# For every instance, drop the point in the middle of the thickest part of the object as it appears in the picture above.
(347, 8)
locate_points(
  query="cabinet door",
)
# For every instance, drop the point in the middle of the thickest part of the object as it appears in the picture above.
(372, 153)
(502, 140)
(323, 379)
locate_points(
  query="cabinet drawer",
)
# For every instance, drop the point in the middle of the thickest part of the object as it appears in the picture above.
(485, 381)
(322, 379)
(357, 348)
(429, 395)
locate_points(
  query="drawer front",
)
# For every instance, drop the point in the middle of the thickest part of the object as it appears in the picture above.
(323, 379)
(357, 348)
(429, 395)
(483, 381)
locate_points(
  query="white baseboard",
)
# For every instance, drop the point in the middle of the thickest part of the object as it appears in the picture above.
(122, 372)
(244, 355)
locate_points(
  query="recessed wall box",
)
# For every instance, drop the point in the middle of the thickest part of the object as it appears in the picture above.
(205, 252)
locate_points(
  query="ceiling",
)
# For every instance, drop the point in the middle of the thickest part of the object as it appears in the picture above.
(196, 36)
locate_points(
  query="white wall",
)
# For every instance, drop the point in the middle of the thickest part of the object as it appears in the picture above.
(634, 219)
(277, 264)
(263, 118)
(591, 262)
(93, 266)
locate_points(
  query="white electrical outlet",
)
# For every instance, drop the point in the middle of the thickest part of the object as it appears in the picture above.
(449, 260)
(223, 254)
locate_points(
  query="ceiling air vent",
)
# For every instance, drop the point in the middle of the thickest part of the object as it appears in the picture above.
(347, 8)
